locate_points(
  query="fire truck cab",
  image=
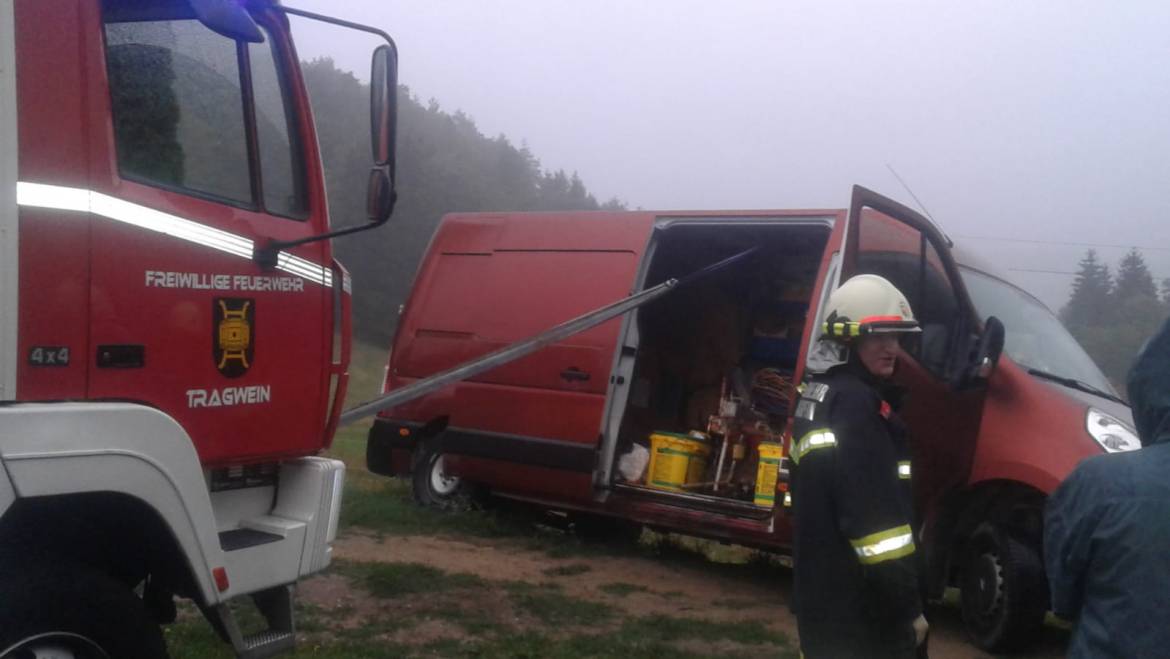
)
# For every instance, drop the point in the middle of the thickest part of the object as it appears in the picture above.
(174, 330)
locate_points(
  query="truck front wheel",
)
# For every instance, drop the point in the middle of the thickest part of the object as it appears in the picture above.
(432, 485)
(65, 610)
(1004, 593)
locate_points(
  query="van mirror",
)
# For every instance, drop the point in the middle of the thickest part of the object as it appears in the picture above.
(987, 351)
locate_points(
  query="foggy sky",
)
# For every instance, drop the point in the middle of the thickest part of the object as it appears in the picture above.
(1044, 121)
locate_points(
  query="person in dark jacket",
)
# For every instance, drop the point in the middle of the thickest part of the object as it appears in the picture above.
(856, 590)
(1107, 530)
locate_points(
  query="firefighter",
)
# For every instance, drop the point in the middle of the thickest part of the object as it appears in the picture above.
(1107, 530)
(856, 590)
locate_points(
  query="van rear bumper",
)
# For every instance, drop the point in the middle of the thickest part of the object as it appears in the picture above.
(389, 446)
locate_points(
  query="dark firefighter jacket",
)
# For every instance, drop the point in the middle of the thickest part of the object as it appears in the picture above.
(1107, 530)
(856, 589)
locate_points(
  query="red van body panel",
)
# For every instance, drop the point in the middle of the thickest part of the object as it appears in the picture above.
(473, 295)
(1032, 432)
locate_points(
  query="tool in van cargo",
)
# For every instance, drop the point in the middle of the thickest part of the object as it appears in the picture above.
(532, 344)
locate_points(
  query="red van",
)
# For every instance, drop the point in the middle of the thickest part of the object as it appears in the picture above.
(712, 365)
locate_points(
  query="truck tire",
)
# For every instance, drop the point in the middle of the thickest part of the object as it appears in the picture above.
(1004, 594)
(64, 610)
(431, 486)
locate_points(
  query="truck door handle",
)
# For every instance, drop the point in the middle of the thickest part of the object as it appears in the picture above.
(574, 374)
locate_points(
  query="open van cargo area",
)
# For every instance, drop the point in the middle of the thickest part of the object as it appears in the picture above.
(712, 379)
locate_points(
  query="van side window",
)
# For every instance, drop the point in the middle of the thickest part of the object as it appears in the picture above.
(196, 112)
(904, 256)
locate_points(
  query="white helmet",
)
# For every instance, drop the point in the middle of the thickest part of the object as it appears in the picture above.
(864, 305)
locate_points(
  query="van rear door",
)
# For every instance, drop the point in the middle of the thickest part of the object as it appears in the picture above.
(529, 427)
(886, 238)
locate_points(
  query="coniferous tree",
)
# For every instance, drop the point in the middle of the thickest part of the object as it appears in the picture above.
(1112, 322)
(1134, 281)
(1090, 295)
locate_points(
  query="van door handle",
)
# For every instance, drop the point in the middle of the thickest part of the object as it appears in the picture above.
(574, 374)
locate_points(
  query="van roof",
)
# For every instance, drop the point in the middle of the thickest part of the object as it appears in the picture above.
(592, 225)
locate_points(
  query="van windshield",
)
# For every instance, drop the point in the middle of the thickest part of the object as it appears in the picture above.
(1034, 337)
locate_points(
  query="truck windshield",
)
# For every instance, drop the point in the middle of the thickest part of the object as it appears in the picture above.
(1034, 337)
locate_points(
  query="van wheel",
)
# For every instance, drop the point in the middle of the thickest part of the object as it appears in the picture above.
(64, 610)
(431, 485)
(1004, 593)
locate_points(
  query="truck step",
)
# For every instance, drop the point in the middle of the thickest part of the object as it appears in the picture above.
(244, 538)
(266, 644)
(275, 605)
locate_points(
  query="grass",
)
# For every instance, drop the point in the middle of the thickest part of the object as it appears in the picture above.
(387, 580)
(622, 589)
(550, 606)
(488, 619)
(367, 370)
(571, 570)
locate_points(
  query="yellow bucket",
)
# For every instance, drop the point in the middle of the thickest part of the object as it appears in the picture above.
(766, 473)
(676, 459)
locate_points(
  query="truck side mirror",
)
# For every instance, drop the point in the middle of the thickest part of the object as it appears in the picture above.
(987, 351)
(383, 133)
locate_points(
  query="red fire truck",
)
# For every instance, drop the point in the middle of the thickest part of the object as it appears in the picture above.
(174, 330)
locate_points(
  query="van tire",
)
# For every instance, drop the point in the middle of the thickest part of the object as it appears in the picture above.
(1004, 594)
(89, 613)
(431, 487)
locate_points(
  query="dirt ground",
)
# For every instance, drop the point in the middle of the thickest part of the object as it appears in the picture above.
(648, 586)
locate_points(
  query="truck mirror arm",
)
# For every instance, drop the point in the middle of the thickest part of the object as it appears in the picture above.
(382, 198)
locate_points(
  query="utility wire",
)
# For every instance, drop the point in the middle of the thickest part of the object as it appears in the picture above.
(1064, 242)
(1044, 272)
(916, 199)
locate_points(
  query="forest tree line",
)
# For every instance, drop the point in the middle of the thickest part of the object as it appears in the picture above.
(444, 165)
(1112, 312)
